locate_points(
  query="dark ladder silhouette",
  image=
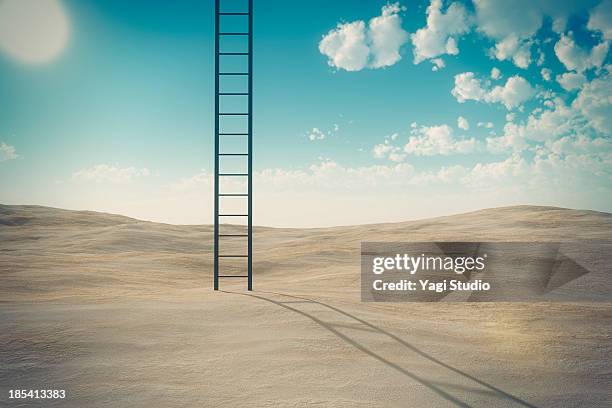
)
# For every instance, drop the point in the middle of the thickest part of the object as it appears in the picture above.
(244, 133)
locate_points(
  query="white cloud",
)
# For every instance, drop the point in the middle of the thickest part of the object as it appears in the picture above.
(500, 18)
(462, 123)
(355, 46)
(488, 125)
(513, 24)
(586, 123)
(571, 145)
(546, 74)
(548, 124)
(361, 194)
(594, 101)
(346, 46)
(576, 58)
(483, 175)
(397, 156)
(33, 31)
(437, 140)
(388, 150)
(485, 184)
(329, 175)
(440, 35)
(512, 94)
(387, 36)
(7, 152)
(511, 48)
(383, 149)
(513, 140)
(495, 73)
(588, 115)
(319, 134)
(104, 173)
(316, 134)
(571, 80)
(541, 57)
(467, 87)
(516, 91)
(600, 19)
(438, 64)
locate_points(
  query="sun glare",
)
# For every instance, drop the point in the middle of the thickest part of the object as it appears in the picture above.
(33, 31)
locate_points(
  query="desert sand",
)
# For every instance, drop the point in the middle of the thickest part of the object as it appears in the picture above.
(121, 313)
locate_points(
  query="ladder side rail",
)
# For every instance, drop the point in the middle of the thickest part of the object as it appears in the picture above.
(250, 156)
(216, 228)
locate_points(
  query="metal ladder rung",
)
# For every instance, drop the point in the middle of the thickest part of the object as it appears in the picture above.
(233, 215)
(233, 73)
(233, 154)
(233, 195)
(233, 276)
(233, 114)
(233, 53)
(233, 256)
(233, 134)
(233, 235)
(233, 93)
(234, 174)
(233, 33)
(233, 14)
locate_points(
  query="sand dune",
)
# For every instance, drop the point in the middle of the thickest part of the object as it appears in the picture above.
(120, 312)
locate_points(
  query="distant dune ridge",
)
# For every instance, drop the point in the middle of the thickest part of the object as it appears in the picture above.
(182, 255)
(120, 311)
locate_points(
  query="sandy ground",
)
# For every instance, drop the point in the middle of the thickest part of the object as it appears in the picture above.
(120, 313)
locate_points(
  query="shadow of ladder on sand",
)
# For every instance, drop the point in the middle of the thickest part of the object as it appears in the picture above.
(434, 386)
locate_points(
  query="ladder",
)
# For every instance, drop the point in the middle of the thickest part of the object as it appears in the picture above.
(241, 59)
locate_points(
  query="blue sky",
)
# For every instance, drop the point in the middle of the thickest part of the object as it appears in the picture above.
(109, 106)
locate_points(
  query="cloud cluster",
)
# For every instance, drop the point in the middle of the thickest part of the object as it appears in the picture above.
(513, 140)
(571, 80)
(426, 141)
(355, 46)
(600, 19)
(594, 102)
(512, 94)
(7, 152)
(104, 173)
(437, 64)
(576, 58)
(388, 150)
(587, 121)
(513, 49)
(318, 134)
(441, 33)
(361, 194)
(462, 123)
(437, 140)
(513, 24)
